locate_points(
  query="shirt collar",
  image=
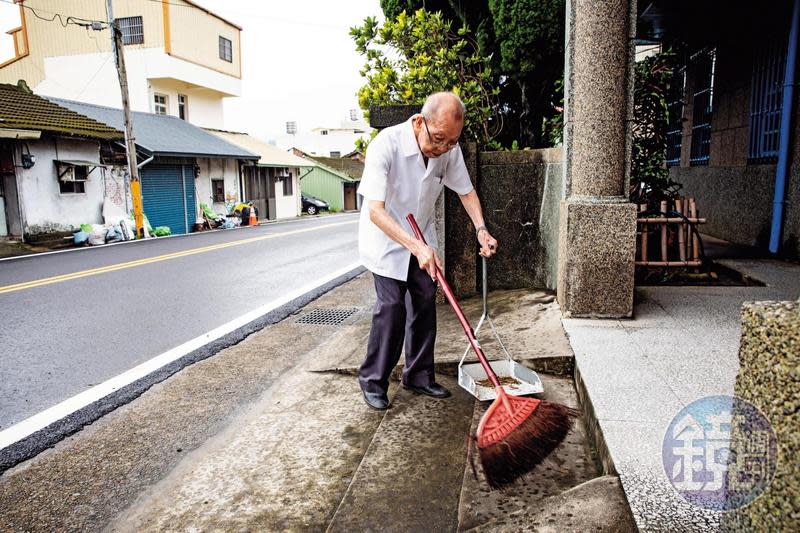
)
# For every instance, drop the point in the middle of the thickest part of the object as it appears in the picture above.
(408, 140)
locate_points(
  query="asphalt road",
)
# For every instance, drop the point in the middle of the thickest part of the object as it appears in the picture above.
(61, 336)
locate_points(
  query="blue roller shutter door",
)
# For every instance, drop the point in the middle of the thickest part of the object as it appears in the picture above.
(168, 196)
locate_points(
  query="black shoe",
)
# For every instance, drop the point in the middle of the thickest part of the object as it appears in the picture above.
(376, 400)
(434, 389)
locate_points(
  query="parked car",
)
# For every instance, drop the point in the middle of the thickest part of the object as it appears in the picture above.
(312, 205)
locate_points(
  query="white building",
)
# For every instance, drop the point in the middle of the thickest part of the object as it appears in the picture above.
(182, 59)
(333, 141)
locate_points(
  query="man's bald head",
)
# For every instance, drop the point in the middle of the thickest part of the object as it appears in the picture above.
(444, 106)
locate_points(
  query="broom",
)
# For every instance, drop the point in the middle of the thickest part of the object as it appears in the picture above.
(516, 433)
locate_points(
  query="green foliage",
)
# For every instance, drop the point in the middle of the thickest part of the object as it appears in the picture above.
(650, 181)
(524, 42)
(529, 34)
(412, 56)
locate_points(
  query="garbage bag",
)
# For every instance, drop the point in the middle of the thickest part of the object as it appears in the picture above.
(80, 238)
(98, 235)
(114, 234)
(162, 231)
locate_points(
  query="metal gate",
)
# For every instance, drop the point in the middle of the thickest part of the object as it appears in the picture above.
(168, 196)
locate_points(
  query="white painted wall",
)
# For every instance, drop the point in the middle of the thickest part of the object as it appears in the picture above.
(44, 208)
(314, 143)
(92, 78)
(225, 169)
(287, 206)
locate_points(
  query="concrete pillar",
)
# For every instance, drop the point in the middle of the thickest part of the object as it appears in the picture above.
(597, 233)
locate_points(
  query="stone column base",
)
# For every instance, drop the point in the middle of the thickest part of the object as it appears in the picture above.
(597, 250)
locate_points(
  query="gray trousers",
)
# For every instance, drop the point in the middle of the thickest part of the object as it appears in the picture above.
(404, 311)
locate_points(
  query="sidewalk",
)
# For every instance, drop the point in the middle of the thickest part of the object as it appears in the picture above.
(682, 345)
(272, 434)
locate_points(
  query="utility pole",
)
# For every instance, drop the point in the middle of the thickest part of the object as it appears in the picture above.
(130, 144)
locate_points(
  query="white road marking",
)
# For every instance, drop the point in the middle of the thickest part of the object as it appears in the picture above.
(55, 413)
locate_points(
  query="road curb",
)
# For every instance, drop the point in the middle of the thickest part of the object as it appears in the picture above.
(47, 437)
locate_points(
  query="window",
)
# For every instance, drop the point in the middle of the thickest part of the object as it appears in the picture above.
(676, 90)
(324, 132)
(702, 106)
(160, 104)
(183, 107)
(76, 184)
(287, 185)
(766, 99)
(218, 190)
(336, 154)
(225, 49)
(132, 30)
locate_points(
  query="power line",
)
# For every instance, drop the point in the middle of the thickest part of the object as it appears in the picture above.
(64, 20)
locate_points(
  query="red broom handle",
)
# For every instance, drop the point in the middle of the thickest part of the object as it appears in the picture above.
(451, 299)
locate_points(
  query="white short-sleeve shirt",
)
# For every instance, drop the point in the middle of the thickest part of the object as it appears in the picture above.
(395, 173)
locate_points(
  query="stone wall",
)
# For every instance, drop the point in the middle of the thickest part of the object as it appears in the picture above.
(521, 193)
(769, 378)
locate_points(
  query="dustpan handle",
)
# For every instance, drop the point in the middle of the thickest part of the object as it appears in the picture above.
(451, 299)
(485, 316)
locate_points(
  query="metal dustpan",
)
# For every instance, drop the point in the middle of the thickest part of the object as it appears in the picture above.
(516, 379)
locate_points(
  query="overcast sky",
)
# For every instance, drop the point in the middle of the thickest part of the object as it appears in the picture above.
(298, 60)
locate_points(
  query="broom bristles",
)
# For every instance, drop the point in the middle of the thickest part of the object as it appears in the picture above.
(527, 445)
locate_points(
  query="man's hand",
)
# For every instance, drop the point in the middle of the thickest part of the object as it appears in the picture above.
(427, 259)
(487, 242)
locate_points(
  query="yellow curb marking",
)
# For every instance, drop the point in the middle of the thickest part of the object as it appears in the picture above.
(139, 262)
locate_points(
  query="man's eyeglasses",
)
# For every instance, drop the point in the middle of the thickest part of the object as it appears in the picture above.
(439, 144)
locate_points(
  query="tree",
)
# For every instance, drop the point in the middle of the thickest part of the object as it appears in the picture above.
(650, 181)
(412, 56)
(524, 41)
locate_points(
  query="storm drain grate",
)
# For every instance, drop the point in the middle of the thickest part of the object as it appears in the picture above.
(328, 317)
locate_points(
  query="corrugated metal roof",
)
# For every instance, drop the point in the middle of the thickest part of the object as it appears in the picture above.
(352, 167)
(271, 156)
(162, 135)
(22, 110)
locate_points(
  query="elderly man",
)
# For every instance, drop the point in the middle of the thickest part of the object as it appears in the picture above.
(406, 167)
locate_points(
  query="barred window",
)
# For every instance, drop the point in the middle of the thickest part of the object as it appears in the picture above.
(703, 65)
(675, 105)
(132, 30)
(225, 49)
(766, 98)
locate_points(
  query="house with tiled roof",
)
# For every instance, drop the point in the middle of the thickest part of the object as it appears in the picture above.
(62, 161)
(180, 166)
(51, 178)
(272, 183)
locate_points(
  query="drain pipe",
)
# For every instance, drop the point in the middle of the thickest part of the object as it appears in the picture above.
(786, 119)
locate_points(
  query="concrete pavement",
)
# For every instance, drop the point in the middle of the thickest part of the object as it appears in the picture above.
(272, 434)
(681, 345)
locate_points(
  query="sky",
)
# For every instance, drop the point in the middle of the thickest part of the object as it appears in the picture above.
(298, 60)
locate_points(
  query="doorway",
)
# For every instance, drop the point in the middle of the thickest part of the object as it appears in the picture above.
(260, 189)
(10, 220)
